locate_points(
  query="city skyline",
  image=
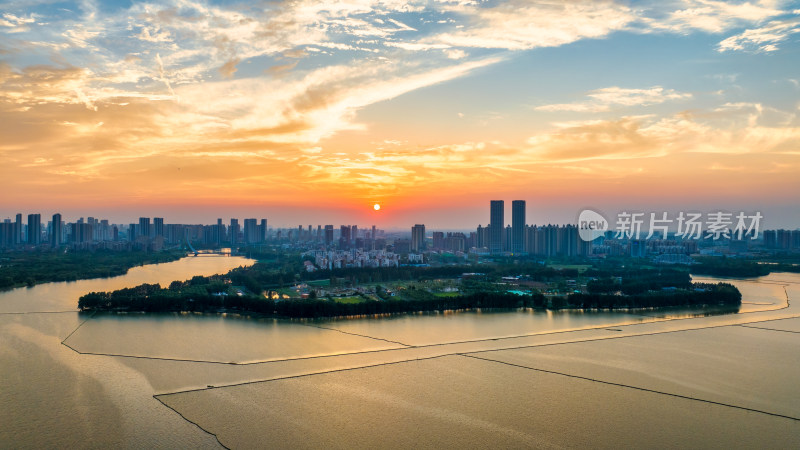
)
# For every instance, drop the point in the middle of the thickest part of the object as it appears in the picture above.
(497, 212)
(498, 237)
(315, 111)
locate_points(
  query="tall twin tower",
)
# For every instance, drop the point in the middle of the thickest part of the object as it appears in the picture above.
(497, 226)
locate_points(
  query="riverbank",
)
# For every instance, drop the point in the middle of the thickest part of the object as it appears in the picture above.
(19, 269)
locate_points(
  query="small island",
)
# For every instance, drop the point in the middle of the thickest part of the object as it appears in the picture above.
(289, 290)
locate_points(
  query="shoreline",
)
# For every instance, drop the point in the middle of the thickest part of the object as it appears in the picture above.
(702, 309)
(169, 257)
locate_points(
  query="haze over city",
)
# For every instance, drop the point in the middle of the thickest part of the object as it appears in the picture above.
(309, 112)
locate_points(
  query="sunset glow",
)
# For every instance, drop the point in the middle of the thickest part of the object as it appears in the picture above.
(302, 111)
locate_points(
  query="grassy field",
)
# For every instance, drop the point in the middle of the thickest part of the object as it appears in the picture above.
(287, 291)
(353, 299)
(579, 267)
(447, 294)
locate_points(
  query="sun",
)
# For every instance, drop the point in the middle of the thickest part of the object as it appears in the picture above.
(377, 207)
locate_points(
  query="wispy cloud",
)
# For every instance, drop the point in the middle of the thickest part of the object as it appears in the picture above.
(603, 99)
(519, 25)
(245, 97)
(764, 39)
(713, 16)
(16, 24)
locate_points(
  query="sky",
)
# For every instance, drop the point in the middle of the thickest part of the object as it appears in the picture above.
(308, 112)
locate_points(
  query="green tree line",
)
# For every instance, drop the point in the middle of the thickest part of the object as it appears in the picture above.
(30, 268)
(204, 297)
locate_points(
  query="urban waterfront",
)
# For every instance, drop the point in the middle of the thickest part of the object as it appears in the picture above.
(672, 377)
(399, 224)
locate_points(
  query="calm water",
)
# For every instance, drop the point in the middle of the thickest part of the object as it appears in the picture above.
(54, 397)
(434, 390)
(64, 296)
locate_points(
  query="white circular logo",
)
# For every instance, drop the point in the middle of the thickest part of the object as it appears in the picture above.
(591, 225)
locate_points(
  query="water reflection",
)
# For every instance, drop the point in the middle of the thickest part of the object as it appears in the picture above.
(63, 296)
(116, 392)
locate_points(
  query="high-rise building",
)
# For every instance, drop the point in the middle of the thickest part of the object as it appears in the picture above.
(328, 234)
(770, 238)
(105, 230)
(234, 232)
(455, 242)
(91, 222)
(496, 226)
(263, 230)
(18, 230)
(158, 226)
(568, 240)
(418, 238)
(518, 226)
(251, 231)
(438, 240)
(56, 231)
(34, 229)
(344, 237)
(144, 227)
(472, 240)
(7, 234)
(81, 232)
(402, 246)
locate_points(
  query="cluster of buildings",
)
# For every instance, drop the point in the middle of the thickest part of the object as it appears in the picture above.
(95, 233)
(345, 237)
(338, 259)
(499, 238)
(354, 246)
(519, 238)
(782, 239)
(15, 234)
(155, 234)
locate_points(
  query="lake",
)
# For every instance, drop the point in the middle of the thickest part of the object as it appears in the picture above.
(477, 378)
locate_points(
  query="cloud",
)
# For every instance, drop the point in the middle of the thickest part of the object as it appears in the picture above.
(85, 100)
(762, 39)
(153, 34)
(742, 129)
(713, 16)
(573, 107)
(603, 99)
(636, 97)
(229, 68)
(281, 69)
(16, 24)
(162, 74)
(603, 149)
(160, 79)
(455, 54)
(323, 100)
(520, 25)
